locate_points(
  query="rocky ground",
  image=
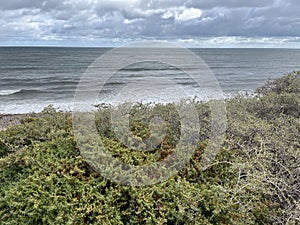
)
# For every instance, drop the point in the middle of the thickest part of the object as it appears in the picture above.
(8, 120)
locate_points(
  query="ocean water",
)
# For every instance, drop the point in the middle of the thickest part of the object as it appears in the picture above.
(34, 77)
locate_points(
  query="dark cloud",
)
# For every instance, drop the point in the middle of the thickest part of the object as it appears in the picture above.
(231, 4)
(138, 19)
(20, 4)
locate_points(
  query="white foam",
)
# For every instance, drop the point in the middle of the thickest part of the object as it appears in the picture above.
(27, 107)
(9, 92)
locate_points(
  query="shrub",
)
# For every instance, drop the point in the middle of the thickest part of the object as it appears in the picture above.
(253, 180)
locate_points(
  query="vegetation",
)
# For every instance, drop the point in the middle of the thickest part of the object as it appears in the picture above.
(253, 180)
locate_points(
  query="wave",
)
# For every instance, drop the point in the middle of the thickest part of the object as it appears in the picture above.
(149, 69)
(18, 68)
(9, 92)
(22, 92)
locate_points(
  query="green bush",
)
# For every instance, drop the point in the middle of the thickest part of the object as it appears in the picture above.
(253, 180)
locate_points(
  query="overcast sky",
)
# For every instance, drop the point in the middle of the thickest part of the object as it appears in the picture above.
(194, 23)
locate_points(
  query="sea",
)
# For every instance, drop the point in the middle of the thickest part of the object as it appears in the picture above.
(33, 77)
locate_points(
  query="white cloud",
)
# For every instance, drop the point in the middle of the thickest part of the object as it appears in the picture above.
(244, 42)
(181, 14)
(69, 20)
(127, 21)
(189, 14)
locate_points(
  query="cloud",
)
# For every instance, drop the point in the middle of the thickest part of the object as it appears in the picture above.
(237, 41)
(182, 14)
(69, 20)
(231, 4)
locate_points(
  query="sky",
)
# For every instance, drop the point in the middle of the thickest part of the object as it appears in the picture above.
(191, 23)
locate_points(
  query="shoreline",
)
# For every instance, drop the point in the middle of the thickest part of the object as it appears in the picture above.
(11, 119)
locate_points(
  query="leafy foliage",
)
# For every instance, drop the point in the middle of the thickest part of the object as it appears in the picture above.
(253, 180)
